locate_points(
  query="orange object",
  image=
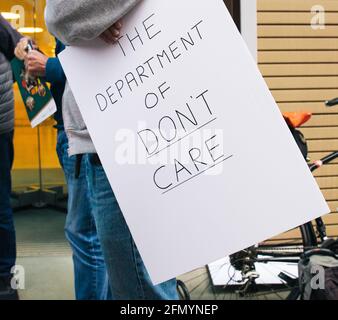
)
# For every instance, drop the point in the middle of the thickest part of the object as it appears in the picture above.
(296, 119)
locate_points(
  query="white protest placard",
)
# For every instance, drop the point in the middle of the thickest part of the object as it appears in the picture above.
(193, 143)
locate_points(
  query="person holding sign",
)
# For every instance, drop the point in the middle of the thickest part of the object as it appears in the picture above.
(75, 22)
(8, 39)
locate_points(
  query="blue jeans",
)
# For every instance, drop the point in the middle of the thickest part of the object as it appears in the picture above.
(128, 277)
(7, 231)
(91, 279)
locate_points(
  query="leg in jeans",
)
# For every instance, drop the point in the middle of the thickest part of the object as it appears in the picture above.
(128, 277)
(91, 279)
(7, 231)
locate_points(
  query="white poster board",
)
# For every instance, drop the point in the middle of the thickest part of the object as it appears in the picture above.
(193, 143)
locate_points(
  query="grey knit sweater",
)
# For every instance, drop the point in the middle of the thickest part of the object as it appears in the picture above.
(74, 22)
(8, 39)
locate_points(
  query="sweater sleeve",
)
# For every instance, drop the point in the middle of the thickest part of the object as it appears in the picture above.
(54, 71)
(8, 38)
(75, 21)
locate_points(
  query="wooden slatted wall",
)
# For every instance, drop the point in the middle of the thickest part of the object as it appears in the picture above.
(300, 65)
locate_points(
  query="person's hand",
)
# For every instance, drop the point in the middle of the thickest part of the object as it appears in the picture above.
(112, 34)
(21, 48)
(35, 63)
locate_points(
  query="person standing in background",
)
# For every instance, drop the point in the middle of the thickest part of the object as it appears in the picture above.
(90, 274)
(8, 40)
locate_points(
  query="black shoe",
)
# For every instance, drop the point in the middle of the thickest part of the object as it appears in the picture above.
(6, 291)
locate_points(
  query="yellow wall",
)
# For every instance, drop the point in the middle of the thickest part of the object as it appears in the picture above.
(300, 65)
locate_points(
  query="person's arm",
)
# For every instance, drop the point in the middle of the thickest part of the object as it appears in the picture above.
(8, 38)
(39, 65)
(75, 21)
(54, 71)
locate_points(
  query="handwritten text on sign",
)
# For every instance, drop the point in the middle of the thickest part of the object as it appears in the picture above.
(215, 168)
(182, 122)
